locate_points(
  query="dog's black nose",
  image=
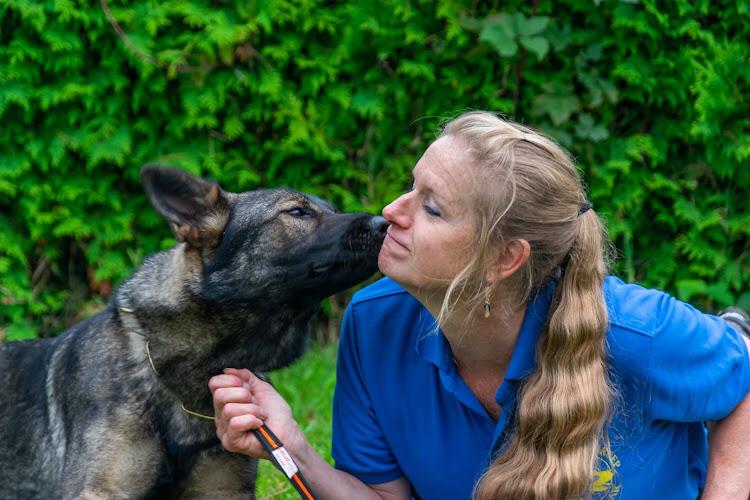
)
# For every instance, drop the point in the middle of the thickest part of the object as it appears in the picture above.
(379, 225)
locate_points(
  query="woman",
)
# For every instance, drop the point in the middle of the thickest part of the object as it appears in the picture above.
(545, 378)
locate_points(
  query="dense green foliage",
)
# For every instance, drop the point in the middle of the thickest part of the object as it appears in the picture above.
(340, 99)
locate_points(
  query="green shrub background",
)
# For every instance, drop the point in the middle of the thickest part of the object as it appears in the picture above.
(340, 99)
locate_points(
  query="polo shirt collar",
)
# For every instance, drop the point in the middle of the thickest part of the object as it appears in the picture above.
(432, 345)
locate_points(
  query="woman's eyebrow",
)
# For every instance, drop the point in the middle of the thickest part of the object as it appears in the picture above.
(427, 188)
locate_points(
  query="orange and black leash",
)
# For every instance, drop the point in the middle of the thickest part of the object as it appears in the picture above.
(279, 456)
(283, 461)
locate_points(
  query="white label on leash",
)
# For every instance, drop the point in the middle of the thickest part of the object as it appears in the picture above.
(285, 461)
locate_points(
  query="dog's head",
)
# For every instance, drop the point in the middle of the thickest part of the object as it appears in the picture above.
(272, 247)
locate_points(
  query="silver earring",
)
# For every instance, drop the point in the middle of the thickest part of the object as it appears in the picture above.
(487, 306)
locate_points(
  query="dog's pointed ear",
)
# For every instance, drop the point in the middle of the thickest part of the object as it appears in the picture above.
(197, 210)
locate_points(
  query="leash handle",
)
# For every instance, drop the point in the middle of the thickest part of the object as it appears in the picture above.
(283, 460)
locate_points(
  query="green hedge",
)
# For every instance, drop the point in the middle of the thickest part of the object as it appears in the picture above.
(340, 99)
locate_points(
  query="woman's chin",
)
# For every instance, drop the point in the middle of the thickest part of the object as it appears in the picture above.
(385, 264)
(391, 268)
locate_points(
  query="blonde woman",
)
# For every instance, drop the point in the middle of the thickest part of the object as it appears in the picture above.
(499, 360)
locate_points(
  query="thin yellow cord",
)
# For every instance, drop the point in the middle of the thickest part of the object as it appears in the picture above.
(195, 414)
(182, 405)
(148, 353)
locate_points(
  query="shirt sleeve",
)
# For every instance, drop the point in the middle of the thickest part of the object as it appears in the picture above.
(699, 367)
(358, 445)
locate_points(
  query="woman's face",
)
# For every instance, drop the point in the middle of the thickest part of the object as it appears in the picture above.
(429, 239)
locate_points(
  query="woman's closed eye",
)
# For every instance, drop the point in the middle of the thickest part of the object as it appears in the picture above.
(431, 211)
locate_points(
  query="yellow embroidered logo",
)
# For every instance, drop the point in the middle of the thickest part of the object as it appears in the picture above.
(603, 483)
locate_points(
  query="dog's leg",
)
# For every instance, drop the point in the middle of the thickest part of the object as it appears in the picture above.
(220, 474)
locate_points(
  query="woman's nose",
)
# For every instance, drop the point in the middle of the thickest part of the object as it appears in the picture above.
(397, 212)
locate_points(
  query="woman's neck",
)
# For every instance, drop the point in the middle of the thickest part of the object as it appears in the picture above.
(477, 342)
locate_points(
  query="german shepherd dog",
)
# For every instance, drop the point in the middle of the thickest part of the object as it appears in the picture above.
(98, 411)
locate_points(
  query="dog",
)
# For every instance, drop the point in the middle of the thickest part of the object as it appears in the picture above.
(102, 411)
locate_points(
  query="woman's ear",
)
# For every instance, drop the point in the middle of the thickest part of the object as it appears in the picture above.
(509, 260)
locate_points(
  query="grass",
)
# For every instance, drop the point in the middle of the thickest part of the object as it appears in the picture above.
(307, 386)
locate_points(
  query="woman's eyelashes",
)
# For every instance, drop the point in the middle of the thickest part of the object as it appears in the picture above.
(431, 211)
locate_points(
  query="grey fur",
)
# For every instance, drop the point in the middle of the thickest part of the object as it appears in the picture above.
(84, 415)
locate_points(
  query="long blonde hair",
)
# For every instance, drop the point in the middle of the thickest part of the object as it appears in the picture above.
(529, 188)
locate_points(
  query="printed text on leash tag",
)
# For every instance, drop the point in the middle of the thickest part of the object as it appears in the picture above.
(285, 461)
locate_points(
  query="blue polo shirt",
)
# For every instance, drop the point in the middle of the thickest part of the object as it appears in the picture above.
(401, 409)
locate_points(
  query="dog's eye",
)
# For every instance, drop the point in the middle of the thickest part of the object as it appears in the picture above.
(299, 212)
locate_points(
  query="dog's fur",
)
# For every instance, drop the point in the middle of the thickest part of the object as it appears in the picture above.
(85, 415)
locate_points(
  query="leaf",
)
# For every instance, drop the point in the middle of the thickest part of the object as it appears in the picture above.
(743, 301)
(687, 211)
(559, 38)
(470, 23)
(537, 45)
(528, 26)
(19, 94)
(689, 288)
(586, 128)
(733, 274)
(720, 293)
(609, 90)
(497, 36)
(22, 330)
(233, 127)
(505, 22)
(367, 103)
(559, 105)
(417, 70)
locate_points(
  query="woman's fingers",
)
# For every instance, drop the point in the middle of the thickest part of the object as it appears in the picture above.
(250, 380)
(242, 402)
(219, 381)
(224, 395)
(244, 423)
(243, 373)
(232, 410)
(239, 438)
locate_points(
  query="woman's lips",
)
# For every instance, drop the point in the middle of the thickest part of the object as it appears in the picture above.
(390, 237)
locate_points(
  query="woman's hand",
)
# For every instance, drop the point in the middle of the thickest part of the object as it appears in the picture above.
(243, 402)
